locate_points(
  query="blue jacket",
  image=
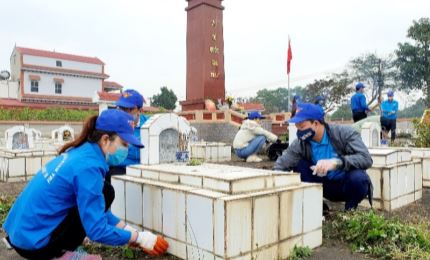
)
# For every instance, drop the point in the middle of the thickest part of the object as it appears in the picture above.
(133, 156)
(358, 102)
(389, 107)
(71, 179)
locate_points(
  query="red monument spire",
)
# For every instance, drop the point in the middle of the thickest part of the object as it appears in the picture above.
(205, 53)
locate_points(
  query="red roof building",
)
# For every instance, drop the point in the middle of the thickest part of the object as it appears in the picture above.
(50, 78)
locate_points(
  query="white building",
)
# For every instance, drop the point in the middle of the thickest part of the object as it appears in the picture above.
(49, 77)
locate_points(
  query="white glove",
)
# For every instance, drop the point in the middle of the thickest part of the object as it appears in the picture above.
(324, 166)
(146, 240)
(152, 244)
(129, 228)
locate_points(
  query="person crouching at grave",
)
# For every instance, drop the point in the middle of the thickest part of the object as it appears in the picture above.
(333, 155)
(68, 199)
(130, 102)
(251, 137)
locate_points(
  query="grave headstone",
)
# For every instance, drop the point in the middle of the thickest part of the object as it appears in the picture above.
(19, 137)
(63, 134)
(164, 135)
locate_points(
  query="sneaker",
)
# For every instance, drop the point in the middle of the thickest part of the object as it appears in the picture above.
(79, 254)
(253, 158)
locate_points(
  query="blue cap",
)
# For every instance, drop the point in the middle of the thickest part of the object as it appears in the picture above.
(308, 111)
(255, 115)
(319, 99)
(119, 122)
(359, 86)
(130, 99)
(390, 93)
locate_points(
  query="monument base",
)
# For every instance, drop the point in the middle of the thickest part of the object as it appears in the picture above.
(189, 105)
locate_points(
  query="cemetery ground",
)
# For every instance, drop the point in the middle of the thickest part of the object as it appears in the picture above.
(401, 234)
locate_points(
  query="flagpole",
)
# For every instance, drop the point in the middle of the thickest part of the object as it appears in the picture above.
(289, 97)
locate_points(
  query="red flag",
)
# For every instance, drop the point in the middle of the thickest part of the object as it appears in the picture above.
(289, 57)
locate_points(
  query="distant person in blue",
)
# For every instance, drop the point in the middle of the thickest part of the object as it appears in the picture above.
(68, 199)
(389, 110)
(358, 103)
(130, 102)
(320, 100)
(333, 155)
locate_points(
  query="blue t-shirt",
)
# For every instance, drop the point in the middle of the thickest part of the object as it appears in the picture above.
(358, 102)
(133, 156)
(74, 178)
(389, 107)
(324, 150)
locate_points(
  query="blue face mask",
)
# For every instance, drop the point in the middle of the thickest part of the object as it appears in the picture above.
(305, 135)
(118, 157)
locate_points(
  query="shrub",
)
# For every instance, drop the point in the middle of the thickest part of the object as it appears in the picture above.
(422, 130)
(49, 114)
(372, 234)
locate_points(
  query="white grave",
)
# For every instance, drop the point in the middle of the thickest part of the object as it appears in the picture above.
(19, 137)
(423, 154)
(211, 151)
(163, 136)
(63, 134)
(214, 211)
(292, 132)
(396, 177)
(371, 134)
(21, 165)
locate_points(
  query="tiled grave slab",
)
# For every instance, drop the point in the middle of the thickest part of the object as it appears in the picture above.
(396, 185)
(21, 165)
(211, 151)
(389, 156)
(218, 225)
(216, 177)
(423, 154)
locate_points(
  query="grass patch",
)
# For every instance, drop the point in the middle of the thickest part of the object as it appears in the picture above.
(194, 162)
(300, 252)
(117, 252)
(373, 234)
(5, 205)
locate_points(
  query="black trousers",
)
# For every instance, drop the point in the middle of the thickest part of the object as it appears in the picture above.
(388, 125)
(357, 116)
(114, 170)
(68, 236)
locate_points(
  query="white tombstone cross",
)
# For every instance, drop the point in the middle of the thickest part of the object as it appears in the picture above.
(19, 137)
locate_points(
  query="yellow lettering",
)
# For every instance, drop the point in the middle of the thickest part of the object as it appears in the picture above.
(214, 75)
(214, 63)
(214, 36)
(213, 49)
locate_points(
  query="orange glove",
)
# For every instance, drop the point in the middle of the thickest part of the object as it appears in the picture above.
(160, 247)
(152, 244)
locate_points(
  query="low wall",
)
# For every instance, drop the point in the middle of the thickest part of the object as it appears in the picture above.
(43, 126)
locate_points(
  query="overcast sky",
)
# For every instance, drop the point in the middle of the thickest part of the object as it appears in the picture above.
(143, 42)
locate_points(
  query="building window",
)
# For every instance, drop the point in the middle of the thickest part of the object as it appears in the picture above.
(34, 86)
(59, 64)
(58, 87)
